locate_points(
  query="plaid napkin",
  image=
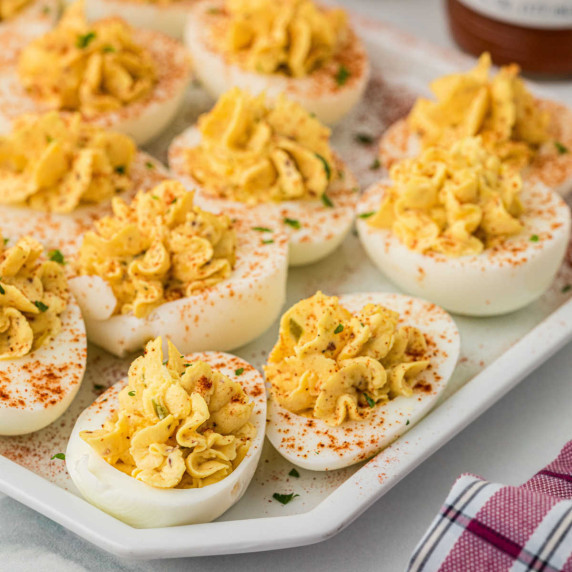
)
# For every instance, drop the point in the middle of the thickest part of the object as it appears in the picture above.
(490, 527)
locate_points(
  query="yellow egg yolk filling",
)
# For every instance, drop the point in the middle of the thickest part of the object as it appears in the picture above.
(335, 365)
(56, 163)
(499, 109)
(292, 37)
(178, 424)
(254, 152)
(158, 248)
(456, 202)
(91, 68)
(10, 8)
(33, 295)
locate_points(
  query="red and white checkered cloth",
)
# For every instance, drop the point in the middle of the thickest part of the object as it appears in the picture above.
(490, 527)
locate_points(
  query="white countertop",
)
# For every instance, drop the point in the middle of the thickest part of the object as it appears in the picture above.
(517, 437)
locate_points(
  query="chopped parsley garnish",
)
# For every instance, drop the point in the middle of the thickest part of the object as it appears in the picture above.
(6, 241)
(366, 215)
(342, 75)
(270, 241)
(108, 49)
(41, 306)
(326, 200)
(339, 329)
(534, 238)
(295, 329)
(165, 362)
(293, 223)
(83, 40)
(131, 393)
(375, 165)
(98, 387)
(369, 400)
(407, 422)
(261, 229)
(562, 149)
(149, 165)
(120, 169)
(364, 138)
(56, 256)
(566, 288)
(49, 139)
(239, 371)
(60, 456)
(2, 291)
(160, 411)
(284, 499)
(294, 473)
(155, 197)
(326, 166)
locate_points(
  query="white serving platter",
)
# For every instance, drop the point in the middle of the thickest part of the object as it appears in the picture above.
(497, 353)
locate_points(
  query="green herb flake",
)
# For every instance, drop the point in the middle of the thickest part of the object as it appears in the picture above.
(293, 223)
(83, 40)
(295, 329)
(56, 256)
(149, 165)
(566, 288)
(46, 10)
(98, 387)
(60, 456)
(41, 306)
(339, 329)
(366, 215)
(120, 169)
(284, 499)
(213, 10)
(160, 410)
(268, 241)
(155, 197)
(562, 149)
(49, 139)
(326, 165)
(2, 291)
(6, 241)
(294, 473)
(342, 75)
(364, 138)
(327, 201)
(407, 422)
(375, 165)
(108, 49)
(369, 400)
(534, 238)
(261, 229)
(239, 371)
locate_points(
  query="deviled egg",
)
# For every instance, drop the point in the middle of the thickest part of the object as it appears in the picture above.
(165, 16)
(43, 347)
(176, 443)
(163, 266)
(350, 375)
(274, 158)
(20, 22)
(522, 130)
(459, 228)
(58, 174)
(132, 81)
(295, 47)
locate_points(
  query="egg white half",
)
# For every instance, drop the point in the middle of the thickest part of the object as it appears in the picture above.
(496, 281)
(225, 316)
(322, 228)
(168, 19)
(550, 166)
(64, 231)
(36, 389)
(318, 93)
(316, 446)
(34, 20)
(143, 506)
(143, 120)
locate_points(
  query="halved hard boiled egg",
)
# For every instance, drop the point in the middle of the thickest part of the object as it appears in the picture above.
(275, 160)
(165, 16)
(129, 80)
(308, 52)
(456, 269)
(181, 450)
(348, 376)
(59, 173)
(20, 22)
(43, 347)
(162, 266)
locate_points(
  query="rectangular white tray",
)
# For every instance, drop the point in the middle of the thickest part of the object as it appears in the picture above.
(497, 353)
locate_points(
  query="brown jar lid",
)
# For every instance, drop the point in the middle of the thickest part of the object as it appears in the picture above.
(537, 50)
